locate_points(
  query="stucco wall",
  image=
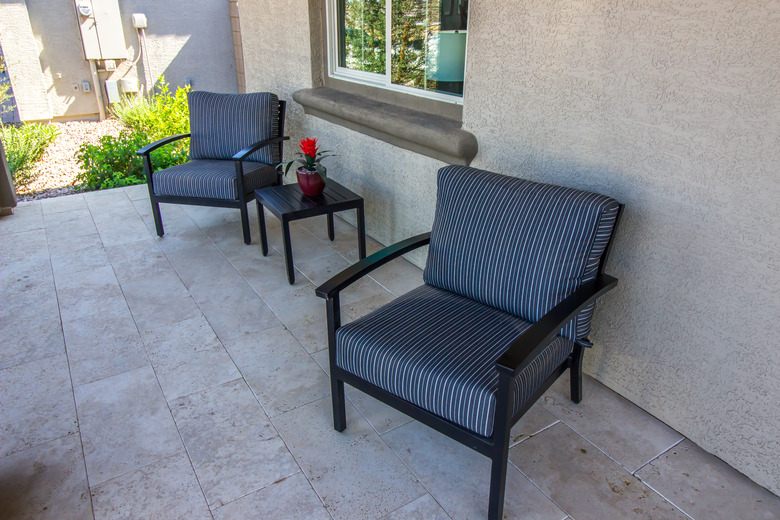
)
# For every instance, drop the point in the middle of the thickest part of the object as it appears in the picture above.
(187, 39)
(21, 58)
(671, 107)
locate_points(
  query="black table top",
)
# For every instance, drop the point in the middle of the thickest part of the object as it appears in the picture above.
(289, 200)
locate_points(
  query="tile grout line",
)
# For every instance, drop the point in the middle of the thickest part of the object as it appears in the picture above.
(270, 420)
(67, 360)
(154, 371)
(656, 457)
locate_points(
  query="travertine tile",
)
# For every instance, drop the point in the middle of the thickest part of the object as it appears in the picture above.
(233, 446)
(557, 457)
(63, 203)
(382, 417)
(45, 482)
(535, 420)
(26, 217)
(166, 489)
(232, 307)
(30, 337)
(338, 464)
(159, 300)
(303, 314)
(459, 478)
(137, 260)
(59, 246)
(304, 244)
(103, 345)
(617, 427)
(278, 369)
(424, 508)
(36, 404)
(116, 218)
(69, 263)
(399, 276)
(360, 308)
(291, 498)
(90, 293)
(345, 237)
(125, 424)
(25, 246)
(187, 357)
(137, 192)
(70, 224)
(200, 265)
(320, 270)
(706, 487)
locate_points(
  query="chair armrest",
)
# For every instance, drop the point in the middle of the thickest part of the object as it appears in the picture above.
(525, 348)
(246, 152)
(146, 150)
(354, 272)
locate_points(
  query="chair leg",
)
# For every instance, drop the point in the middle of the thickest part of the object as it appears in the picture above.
(245, 224)
(339, 405)
(157, 218)
(575, 372)
(497, 486)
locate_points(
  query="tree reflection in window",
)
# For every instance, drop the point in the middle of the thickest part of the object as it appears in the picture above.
(427, 43)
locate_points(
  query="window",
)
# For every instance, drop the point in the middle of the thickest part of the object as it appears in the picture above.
(416, 46)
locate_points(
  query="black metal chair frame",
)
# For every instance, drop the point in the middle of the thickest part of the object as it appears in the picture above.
(513, 361)
(238, 158)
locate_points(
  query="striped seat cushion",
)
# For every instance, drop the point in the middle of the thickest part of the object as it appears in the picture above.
(438, 351)
(517, 245)
(222, 125)
(211, 179)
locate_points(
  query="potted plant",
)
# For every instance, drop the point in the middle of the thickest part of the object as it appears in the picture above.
(312, 175)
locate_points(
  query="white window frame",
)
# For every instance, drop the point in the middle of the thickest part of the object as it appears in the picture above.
(373, 79)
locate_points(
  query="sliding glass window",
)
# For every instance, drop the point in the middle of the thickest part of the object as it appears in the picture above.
(424, 53)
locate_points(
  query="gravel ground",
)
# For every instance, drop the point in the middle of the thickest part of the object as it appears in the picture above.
(58, 167)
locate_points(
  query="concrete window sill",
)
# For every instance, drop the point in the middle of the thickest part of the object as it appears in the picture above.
(426, 134)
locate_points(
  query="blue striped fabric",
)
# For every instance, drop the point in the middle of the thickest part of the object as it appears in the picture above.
(517, 245)
(438, 351)
(224, 124)
(211, 179)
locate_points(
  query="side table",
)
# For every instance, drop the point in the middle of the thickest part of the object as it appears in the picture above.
(288, 203)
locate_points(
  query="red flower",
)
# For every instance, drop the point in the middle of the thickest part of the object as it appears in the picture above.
(309, 147)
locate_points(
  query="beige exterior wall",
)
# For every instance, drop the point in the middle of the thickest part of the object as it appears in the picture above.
(671, 107)
(187, 39)
(21, 58)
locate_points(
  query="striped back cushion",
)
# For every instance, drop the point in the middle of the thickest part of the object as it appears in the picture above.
(517, 245)
(224, 124)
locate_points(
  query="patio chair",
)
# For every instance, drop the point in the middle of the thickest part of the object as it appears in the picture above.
(513, 272)
(235, 144)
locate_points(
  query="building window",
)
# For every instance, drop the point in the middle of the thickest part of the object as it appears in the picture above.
(416, 46)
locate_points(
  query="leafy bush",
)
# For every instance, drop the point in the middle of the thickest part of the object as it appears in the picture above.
(113, 163)
(161, 115)
(24, 146)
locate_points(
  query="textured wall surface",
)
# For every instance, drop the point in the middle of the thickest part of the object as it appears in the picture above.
(671, 106)
(21, 58)
(188, 39)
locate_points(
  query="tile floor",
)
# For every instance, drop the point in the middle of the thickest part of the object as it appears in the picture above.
(184, 378)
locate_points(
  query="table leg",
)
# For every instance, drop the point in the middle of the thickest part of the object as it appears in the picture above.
(288, 258)
(361, 229)
(261, 222)
(331, 232)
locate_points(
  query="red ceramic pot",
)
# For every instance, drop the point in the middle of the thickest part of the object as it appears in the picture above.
(311, 182)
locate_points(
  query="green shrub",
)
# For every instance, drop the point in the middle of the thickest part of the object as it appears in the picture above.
(161, 115)
(24, 146)
(112, 162)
